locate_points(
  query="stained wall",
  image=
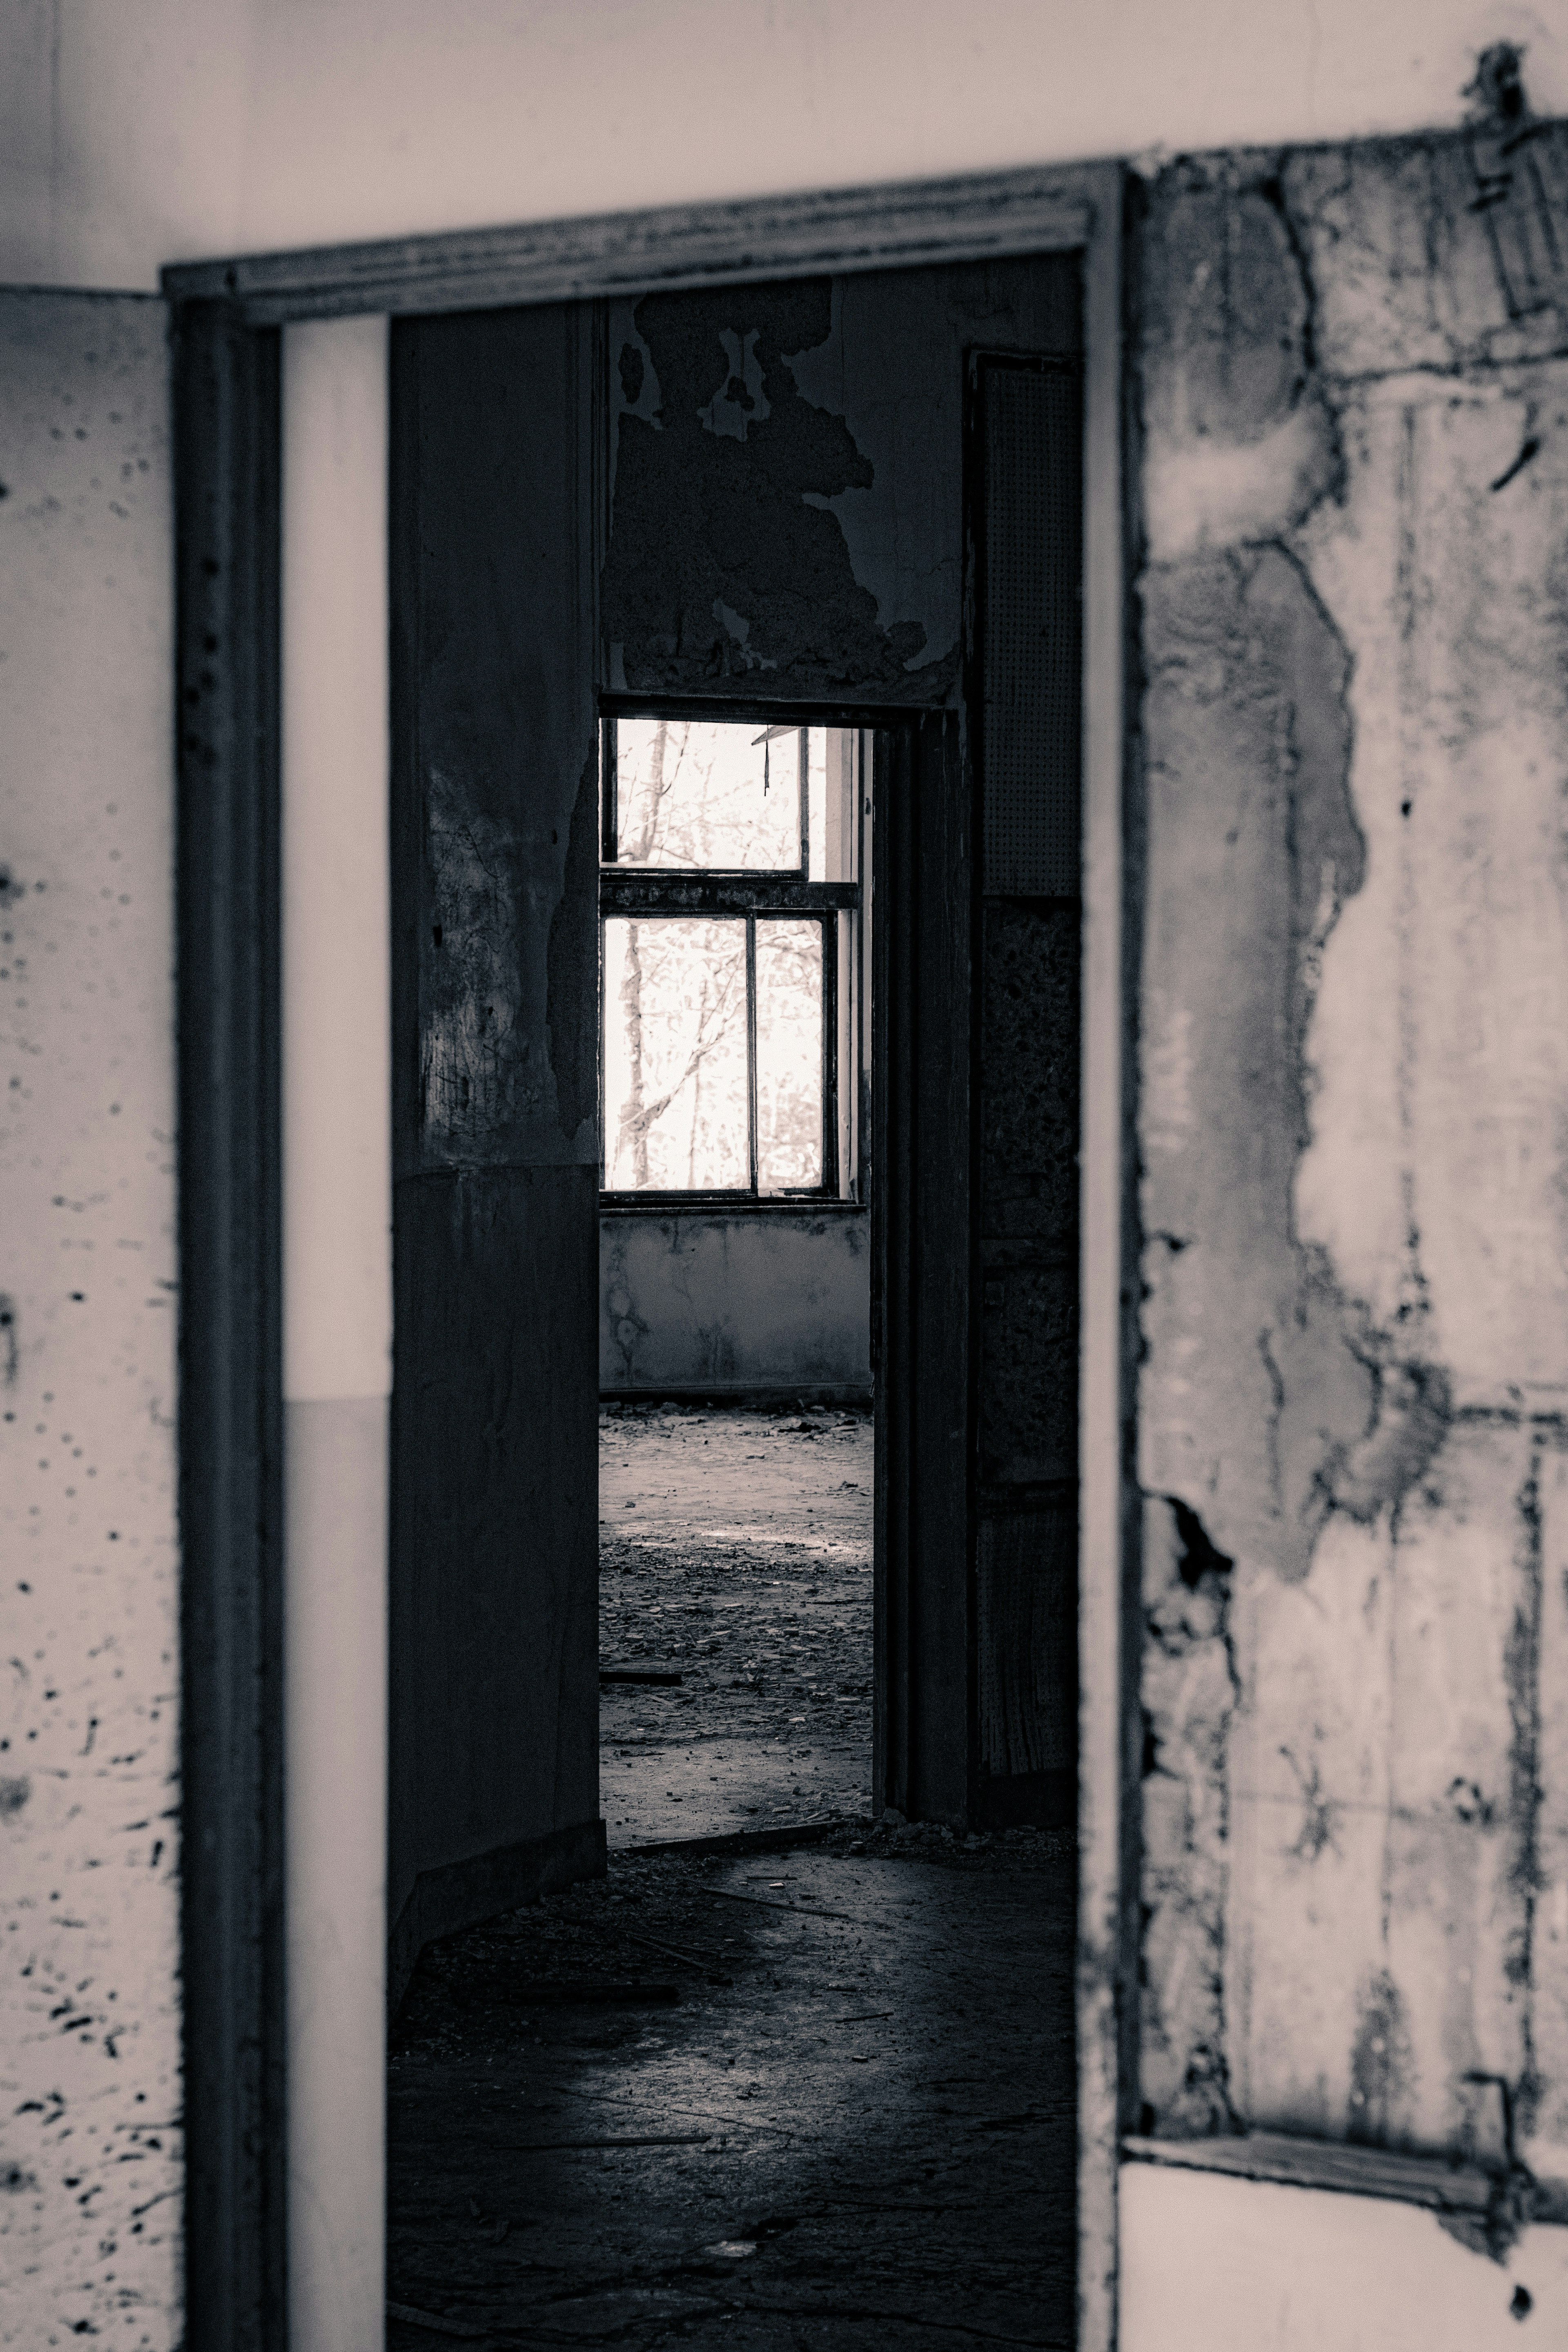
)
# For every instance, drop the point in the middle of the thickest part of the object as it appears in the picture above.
(89, 1828)
(731, 1303)
(1352, 391)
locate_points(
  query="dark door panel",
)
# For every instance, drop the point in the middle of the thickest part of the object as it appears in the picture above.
(495, 1511)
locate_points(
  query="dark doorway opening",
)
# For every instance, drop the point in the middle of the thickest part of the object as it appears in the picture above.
(650, 2092)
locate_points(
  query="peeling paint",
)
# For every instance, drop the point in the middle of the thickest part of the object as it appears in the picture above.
(1189, 1693)
(786, 495)
(1353, 996)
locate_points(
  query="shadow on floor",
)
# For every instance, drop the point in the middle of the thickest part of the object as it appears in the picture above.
(800, 2102)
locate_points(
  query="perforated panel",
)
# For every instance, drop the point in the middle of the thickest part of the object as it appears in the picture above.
(1031, 538)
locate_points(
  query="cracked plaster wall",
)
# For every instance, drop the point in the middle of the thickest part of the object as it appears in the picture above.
(89, 2054)
(1353, 391)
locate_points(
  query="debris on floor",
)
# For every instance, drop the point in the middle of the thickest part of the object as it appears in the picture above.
(734, 1554)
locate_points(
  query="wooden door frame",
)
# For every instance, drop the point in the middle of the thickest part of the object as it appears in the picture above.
(226, 318)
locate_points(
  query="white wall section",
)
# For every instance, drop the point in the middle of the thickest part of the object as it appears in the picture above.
(1213, 2265)
(171, 132)
(337, 1320)
(90, 2022)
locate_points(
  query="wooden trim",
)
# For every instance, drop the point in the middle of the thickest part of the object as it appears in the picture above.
(674, 890)
(607, 254)
(922, 1168)
(1325, 2164)
(227, 442)
(1105, 1986)
(705, 1206)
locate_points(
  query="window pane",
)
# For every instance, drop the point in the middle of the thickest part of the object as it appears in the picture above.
(691, 793)
(675, 1054)
(789, 1055)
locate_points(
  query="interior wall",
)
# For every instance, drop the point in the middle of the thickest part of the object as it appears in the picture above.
(1354, 1397)
(735, 1303)
(1319, 491)
(90, 1825)
(176, 129)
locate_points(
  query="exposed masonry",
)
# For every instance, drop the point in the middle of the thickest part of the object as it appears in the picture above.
(1276, 288)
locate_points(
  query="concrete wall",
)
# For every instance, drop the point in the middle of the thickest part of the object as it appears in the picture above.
(1354, 1002)
(89, 2042)
(731, 1302)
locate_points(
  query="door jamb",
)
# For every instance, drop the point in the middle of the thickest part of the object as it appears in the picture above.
(225, 315)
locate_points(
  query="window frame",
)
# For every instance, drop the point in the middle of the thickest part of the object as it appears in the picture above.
(745, 894)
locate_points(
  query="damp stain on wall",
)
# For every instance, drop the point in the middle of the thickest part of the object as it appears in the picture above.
(764, 1301)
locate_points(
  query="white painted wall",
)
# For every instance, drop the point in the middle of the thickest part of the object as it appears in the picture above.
(134, 133)
(337, 1317)
(89, 2039)
(1212, 2265)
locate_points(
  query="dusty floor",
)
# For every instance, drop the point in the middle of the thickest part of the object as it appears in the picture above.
(735, 1551)
(832, 2114)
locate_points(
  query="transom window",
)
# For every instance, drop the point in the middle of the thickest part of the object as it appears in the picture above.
(729, 908)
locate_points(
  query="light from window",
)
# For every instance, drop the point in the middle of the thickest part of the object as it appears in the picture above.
(693, 794)
(675, 1054)
(789, 1055)
(730, 911)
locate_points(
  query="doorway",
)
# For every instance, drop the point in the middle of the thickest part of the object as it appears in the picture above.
(736, 1482)
(225, 433)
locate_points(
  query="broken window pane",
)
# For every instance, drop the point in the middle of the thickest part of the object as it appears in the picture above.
(789, 1055)
(675, 1053)
(692, 793)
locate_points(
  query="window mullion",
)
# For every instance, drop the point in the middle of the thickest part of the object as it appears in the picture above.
(752, 1043)
(609, 795)
(830, 1053)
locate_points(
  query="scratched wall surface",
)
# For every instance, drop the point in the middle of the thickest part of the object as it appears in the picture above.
(89, 2083)
(1353, 1050)
(787, 499)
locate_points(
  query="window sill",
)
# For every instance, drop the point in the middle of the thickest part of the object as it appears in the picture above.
(727, 1205)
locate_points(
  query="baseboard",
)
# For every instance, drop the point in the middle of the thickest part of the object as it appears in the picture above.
(748, 1394)
(744, 1842)
(460, 1893)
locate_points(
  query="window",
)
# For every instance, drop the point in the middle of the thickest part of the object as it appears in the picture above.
(729, 909)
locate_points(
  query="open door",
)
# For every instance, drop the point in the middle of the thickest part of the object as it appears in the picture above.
(494, 1685)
